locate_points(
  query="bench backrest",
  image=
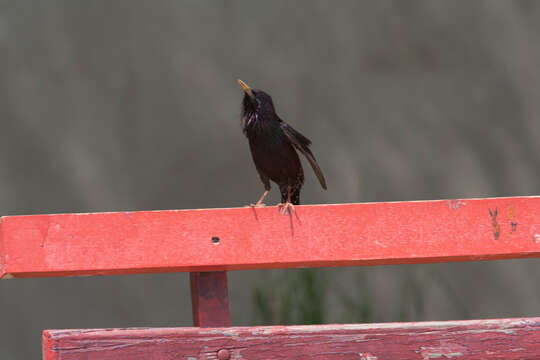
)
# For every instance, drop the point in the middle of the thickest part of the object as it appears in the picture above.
(209, 242)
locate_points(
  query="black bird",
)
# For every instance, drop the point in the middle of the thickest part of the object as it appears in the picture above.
(272, 142)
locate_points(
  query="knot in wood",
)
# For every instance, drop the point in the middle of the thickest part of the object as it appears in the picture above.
(223, 354)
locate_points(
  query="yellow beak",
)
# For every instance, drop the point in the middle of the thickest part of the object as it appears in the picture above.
(245, 88)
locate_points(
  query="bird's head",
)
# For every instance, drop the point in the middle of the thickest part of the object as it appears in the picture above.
(256, 105)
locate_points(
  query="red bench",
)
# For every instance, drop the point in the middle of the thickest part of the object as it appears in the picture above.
(208, 243)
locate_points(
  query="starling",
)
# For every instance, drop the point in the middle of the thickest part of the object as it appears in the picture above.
(272, 143)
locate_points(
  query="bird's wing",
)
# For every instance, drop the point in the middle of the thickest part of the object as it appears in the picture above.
(302, 144)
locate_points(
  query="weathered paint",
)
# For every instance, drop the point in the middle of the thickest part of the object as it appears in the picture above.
(210, 299)
(458, 340)
(324, 235)
(367, 356)
(444, 351)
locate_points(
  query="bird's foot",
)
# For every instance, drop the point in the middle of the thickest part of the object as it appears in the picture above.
(286, 207)
(257, 205)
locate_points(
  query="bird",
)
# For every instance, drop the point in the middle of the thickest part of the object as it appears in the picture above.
(274, 145)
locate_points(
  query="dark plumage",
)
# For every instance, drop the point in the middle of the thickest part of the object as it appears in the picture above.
(273, 145)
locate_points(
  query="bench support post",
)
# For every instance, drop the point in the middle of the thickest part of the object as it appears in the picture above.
(210, 299)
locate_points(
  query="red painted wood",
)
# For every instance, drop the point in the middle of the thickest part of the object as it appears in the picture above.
(210, 299)
(2, 252)
(476, 339)
(246, 238)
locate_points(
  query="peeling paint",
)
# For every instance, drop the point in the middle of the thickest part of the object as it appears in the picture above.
(494, 223)
(513, 227)
(456, 204)
(440, 355)
(263, 331)
(478, 339)
(367, 356)
(442, 352)
(225, 332)
(536, 238)
(511, 213)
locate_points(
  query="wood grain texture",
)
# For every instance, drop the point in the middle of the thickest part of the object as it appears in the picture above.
(210, 299)
(246, 238)
(476, 339)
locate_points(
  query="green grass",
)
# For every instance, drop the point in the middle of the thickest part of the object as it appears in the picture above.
(300, 297)
(294, 297)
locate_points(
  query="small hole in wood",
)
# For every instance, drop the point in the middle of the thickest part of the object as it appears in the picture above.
(215, 239)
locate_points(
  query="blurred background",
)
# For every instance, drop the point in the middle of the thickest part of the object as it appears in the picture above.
(134, 105)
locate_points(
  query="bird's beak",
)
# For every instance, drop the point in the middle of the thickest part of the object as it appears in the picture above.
(245, 88)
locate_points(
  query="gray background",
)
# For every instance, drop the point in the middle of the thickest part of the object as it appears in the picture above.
(133, 105)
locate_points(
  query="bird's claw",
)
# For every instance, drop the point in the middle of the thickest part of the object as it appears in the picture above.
(285, 207)
(256, 205)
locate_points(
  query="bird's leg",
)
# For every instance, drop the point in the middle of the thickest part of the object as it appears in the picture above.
(260, 202)
(288, 206)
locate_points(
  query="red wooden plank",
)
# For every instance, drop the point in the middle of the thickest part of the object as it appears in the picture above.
(210, 299)
(246, 238)
(475, 339)
(2, 268)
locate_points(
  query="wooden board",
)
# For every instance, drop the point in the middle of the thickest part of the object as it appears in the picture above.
(476, 339)
(210, 299)
(247, 238)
